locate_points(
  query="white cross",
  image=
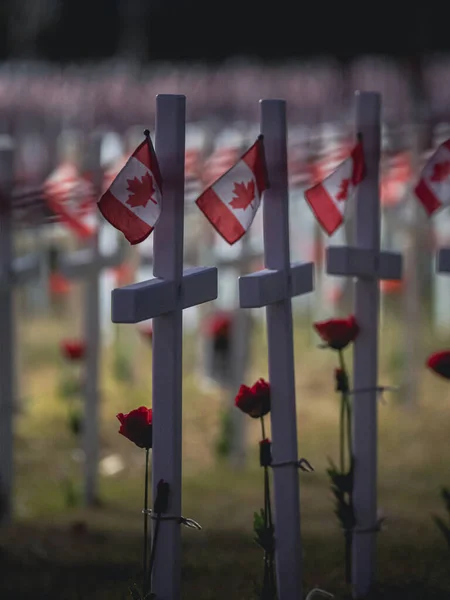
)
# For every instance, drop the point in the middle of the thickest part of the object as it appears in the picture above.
(163, 300)
(88, 263)
(367, 264)
(443, 261)
(12, 271)
(273, 287)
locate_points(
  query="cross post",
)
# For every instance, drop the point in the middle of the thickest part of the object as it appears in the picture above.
(367, 265)
(273, 287)
(163, 299)
(88, 263)
(443, 261)
(13, 271)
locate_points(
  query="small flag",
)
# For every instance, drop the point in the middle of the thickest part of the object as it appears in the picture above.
(433, 188)
(328, 198)
(71, 197)
(132, 204)
(231, 202)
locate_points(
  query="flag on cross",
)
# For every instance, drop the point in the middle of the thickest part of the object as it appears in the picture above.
(231, 202)
(328, 198)
(132, 203)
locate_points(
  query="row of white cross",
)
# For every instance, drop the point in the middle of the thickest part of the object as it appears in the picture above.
(164, 298)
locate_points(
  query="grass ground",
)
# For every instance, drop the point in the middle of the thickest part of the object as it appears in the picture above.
(58, 553)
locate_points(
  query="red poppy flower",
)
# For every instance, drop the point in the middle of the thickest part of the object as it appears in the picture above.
(59, 285)
(391, 288)
(219, 325)
(137, 426)
(255, 400)
(439, 362)
(73, 349)
(338, 333)
(147, 332)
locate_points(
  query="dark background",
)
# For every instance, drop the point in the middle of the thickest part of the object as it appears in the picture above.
(177, 30)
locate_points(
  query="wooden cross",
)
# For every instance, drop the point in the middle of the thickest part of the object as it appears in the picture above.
(273, 287)
(163, 299)
(87, 264)
(13, 271)
(367, 264)
(443, 260)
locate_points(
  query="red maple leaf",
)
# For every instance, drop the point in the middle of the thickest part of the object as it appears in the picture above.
(141, 191)
(441, 171)
(343, 190)
(244, 194)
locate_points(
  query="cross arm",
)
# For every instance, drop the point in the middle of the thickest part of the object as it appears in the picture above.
(155, 297)
(76, 264)
(443, 261)
(199, 286)
(269, 286)
(363, 263)
(143, 300)
(25, 268)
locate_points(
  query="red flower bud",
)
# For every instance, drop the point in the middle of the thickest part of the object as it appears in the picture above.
(137, 426)
(73, 349)
(338, 333)
(265, 453)
(218, 325)
(341, 380)
(147, 332)
(254, 401)
(439, 362)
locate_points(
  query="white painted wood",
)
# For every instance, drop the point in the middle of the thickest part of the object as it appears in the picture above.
(13, 271)
(367, 264)
(163, 299)
(88, 264)
(443, 261)
(92, 400)
(365, 361)
(7, 341)
(281, 351)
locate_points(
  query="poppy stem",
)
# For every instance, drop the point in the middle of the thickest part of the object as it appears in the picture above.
(146, 540)
(348, 409)
(263, 429)
(153, 553)
(342, 416)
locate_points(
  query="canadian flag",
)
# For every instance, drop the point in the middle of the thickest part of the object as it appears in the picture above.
(132, 204)
(327, 198)
(70, 196)
(433, 188)
(231, 202)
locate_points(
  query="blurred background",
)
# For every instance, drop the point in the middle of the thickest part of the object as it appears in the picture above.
(74, 71)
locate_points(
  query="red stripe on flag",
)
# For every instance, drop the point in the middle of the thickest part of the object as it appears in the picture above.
(359, 168)
(145, 153)
(324, 208)
(133, 228)
(76, 224)
(255, 159)
(428, 200)
(220, 217)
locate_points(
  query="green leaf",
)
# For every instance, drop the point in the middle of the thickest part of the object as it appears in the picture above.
(445, 493)
(122, 368)
(445, 530)
(223, 444)
(258, 520)
(75, 421)
(70, 493)
(69, 387)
